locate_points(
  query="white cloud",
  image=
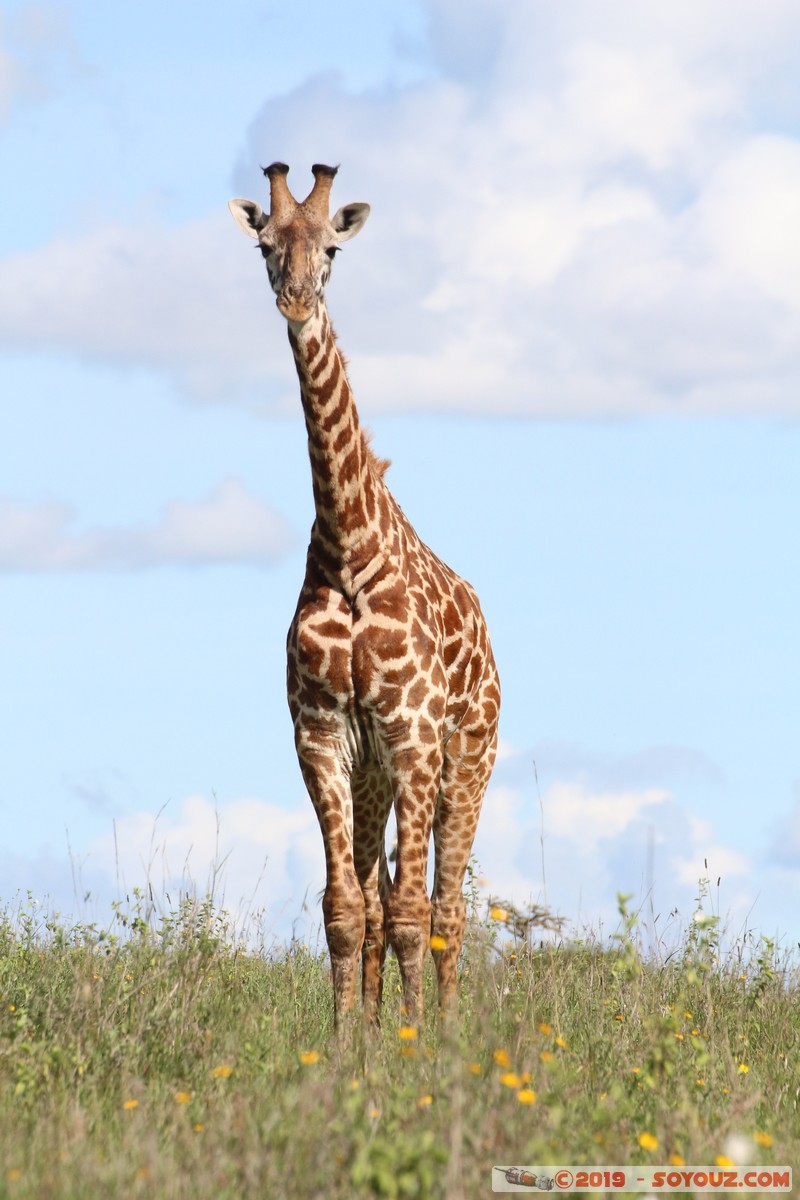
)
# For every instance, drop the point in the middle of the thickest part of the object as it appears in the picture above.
(255, 856)
(265, 864)
(585, 845)
(228, 526)
(547, 221)
(748, 217)
(705, 858)
(588, 843)
(582, 209)
(176, 300)
(573, 810)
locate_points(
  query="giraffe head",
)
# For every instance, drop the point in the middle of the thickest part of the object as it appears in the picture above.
(298, 241)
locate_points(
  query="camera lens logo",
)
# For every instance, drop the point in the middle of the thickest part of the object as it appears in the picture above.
(523, 1178)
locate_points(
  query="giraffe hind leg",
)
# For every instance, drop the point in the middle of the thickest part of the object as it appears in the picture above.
(372, 799)
(408, 910)
(469, 758)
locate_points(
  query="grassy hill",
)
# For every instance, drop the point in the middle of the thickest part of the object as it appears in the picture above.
(165, 1060)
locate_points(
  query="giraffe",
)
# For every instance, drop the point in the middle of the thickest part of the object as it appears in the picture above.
(392, 685)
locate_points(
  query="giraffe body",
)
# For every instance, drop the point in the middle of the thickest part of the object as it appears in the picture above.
(392, 685)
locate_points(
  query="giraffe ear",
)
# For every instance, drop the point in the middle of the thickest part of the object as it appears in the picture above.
(248, 215)
(349, 220)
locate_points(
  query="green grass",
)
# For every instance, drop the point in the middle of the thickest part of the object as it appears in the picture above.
(169, 1062)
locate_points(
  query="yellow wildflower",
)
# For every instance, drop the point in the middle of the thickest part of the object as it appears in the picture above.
(675, 1160)
(407, 1032)
(437, 942)
(309, 1057)
(223, 1071)
(526, 1096)
(722, 1161)
(763, 1139)
(198, 1128)
(182, 1097)
(648, 1142)
(560, 1042)
(13, 1174)
(544, 1028)
(501, 1058)
(129, 1104)
(547, 1056)
(475, 1068)
(424, 1101)
(498, 914)
(743, 1068)
(510, 1080)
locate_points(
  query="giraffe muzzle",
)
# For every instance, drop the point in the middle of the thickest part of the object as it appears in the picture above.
(296, 303)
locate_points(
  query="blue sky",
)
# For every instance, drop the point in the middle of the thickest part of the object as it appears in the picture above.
(573, 324)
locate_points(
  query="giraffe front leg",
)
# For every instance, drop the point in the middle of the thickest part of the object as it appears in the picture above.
(343, 909)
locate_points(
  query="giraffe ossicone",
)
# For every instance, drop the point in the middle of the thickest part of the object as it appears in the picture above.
(392, 685)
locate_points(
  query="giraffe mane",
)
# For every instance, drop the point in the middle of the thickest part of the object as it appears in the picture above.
(379, 465)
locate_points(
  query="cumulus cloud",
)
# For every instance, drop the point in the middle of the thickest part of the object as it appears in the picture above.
(265, 864)
(582, 840)
(567, 191)
(258, 856)
(228, 526)
(254, 856)
(178, 301)
(579, 210)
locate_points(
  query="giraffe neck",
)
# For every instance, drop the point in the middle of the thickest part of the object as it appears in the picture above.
(350, 497)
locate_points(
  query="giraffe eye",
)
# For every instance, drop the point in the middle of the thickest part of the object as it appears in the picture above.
(331, 252)
(265, 250)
